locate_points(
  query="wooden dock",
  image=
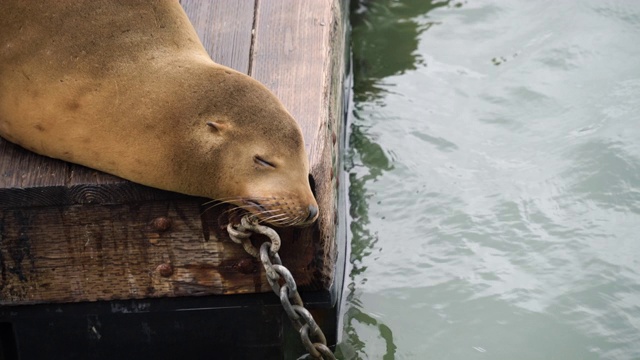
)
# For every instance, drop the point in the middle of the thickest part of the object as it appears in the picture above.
(94, 266)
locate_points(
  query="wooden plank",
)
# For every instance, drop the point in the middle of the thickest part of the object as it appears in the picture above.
(298, 52)
(224, 27)
(22, 168)
(131, 251)
(290, 49)
(106, 253)
(28, 180)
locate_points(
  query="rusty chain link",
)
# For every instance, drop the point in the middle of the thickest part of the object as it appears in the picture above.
(242, 234)
(311, 335)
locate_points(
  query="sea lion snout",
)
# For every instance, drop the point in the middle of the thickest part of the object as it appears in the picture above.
(281, 211)
(313, 213)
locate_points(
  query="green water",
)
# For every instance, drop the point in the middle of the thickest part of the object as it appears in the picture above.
(494, 170)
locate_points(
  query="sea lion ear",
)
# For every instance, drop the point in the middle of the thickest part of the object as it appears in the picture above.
(216, 126)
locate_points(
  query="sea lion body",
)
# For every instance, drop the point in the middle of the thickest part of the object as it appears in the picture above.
(127, 88)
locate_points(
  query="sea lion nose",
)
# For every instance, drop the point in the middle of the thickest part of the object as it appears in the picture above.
(313, 211)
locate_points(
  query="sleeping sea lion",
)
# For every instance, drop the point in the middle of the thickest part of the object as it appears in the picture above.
(127, 88)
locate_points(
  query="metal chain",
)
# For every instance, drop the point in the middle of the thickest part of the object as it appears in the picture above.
(241, 236)
(311, 335)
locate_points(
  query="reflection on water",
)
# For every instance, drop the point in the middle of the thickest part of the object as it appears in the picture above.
(386, 41)
(495, 180)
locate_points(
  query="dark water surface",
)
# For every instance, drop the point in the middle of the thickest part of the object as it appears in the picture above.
(495, 180)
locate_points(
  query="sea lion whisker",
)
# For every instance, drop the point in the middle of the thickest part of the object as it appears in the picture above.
(236, 208)
(220, 203)
(207, 209)
(248, 206)
(231, 211)
(216, 205)
(210, 202)
(297, 220)
(256, 206)
(212, 207)
(245, 209)
(278, 223)
(272, 214)
(265, 215)
(228, 200)
(276, 218)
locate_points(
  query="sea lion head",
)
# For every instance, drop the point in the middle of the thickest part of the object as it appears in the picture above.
(261, 164)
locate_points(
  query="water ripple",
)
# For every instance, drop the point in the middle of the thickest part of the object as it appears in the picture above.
(495, 181)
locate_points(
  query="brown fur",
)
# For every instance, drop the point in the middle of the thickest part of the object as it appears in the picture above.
(127, 88)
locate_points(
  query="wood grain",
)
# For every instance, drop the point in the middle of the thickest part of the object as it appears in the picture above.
(224, 27)
(96, 252)
(298, 53)
(290, 55)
